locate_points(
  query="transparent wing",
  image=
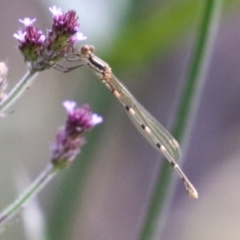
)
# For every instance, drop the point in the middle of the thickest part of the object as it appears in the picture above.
(158, 135)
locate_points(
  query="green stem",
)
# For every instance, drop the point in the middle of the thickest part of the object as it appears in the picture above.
(198, 68)
(162, 192)
(7, 214)
(18, 90)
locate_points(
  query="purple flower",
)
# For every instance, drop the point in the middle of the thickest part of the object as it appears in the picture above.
(42, 52)
(79, 119)
(56, 12)
(65, 149)
(69, 138)
(78, 37)
(31, 40)
(64, 32)
(20, 36)
(27, 21)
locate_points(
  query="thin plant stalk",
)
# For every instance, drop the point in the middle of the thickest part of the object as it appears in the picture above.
(163, 190)
(29, 193)
(67, 145)
(18, 90)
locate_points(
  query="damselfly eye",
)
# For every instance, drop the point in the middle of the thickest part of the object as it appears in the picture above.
(91, 48)
(86, 50)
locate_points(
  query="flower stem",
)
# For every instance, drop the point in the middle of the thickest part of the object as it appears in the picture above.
(18, 90)
(162, 192)
(7, 214)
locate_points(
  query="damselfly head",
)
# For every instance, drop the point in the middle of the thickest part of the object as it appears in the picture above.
(86, 50)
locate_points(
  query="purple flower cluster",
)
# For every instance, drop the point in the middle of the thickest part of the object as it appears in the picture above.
(42, 52)
(69, 138)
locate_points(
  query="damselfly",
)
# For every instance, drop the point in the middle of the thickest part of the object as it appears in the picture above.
(147, 125)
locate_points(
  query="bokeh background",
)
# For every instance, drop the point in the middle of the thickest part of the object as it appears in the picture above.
(105, 194)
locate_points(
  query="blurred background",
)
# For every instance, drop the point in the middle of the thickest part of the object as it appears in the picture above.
(105, 194)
